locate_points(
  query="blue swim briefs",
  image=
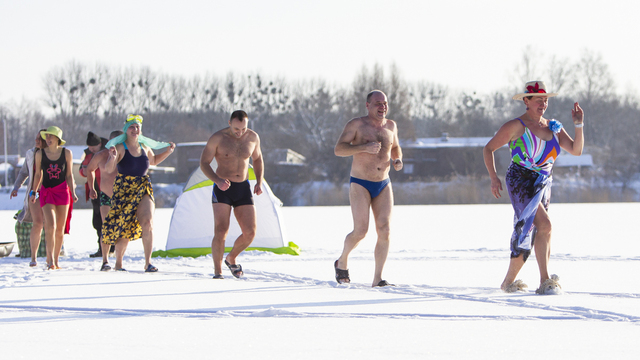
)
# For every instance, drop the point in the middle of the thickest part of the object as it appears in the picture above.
(374, 187)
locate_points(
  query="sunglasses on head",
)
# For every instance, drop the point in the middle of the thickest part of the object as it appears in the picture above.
(134, 118)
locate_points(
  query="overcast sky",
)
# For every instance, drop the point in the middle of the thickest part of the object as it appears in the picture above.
(465, 44)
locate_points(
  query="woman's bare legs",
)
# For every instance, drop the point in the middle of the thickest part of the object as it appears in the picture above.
(36, 229)
(145, 217)
(542, 246)
(55, 217)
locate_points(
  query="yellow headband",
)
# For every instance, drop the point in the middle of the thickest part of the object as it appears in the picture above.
(134, 118)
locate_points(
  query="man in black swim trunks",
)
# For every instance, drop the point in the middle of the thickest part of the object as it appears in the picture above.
(372, 140)
(232, 147)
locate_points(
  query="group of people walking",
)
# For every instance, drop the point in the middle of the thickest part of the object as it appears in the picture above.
(50, 195)
(126, 195)
(125, 191)
(372, 142)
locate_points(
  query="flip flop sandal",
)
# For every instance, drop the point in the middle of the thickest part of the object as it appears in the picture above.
(151, 268)
(105, 267)
(384, 283)
(342, 276)
(218, 276)
(33, 264)
(236, 270)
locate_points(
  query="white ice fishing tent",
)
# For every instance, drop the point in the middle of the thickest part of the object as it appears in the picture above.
(191, 228)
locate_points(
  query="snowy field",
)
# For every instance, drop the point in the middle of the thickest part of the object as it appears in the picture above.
(447, 262)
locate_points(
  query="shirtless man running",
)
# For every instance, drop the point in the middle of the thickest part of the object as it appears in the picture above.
(372, 140)
(232, 147)
(99, 161)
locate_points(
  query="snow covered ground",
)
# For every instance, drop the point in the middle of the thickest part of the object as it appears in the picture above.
(447, 262)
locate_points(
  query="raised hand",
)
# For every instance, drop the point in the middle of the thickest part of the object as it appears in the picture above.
(577, 115)
(113, 153)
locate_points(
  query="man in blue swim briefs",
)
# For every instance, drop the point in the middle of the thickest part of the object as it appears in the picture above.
(372, 140)
(232, 147)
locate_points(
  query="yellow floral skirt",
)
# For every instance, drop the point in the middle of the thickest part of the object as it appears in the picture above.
(122, 220)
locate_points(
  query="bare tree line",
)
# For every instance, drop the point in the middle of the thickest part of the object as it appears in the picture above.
(308, 116)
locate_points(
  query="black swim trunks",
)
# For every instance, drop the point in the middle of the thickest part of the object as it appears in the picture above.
(236, 195)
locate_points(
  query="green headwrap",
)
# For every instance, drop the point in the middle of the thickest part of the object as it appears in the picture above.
(137, 119)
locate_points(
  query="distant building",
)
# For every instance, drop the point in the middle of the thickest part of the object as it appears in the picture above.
(286, 157)
(188, 159)
(569, 164)
(285, 165)
(446, 156)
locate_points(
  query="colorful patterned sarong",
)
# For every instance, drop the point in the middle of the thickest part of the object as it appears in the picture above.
(527, 189)
(122, 220)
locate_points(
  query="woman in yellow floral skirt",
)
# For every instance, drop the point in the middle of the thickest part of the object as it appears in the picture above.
(132, 205)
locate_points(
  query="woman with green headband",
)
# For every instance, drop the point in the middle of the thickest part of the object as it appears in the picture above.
(131, 214)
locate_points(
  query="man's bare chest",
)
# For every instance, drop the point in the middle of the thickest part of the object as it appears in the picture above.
(235, 149)
(372, 134)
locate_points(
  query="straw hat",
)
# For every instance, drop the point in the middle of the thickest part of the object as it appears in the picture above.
(534, 88)
(55, 131)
